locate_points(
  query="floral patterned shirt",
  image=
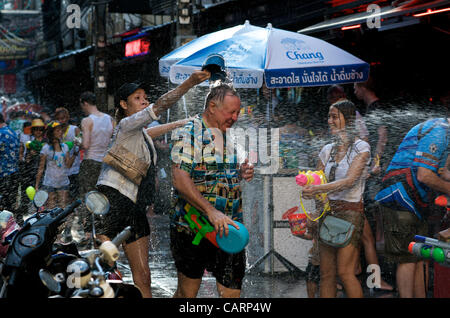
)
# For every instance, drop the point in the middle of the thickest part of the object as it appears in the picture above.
(217, 177)
(9, 151)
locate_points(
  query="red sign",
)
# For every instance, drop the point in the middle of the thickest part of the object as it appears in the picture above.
(9, 83)
(137, 47)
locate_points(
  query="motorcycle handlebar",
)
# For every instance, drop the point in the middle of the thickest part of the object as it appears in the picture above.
(122, 236)
(68, 210)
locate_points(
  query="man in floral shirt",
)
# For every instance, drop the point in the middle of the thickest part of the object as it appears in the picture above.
(9, 165)
(210, 183)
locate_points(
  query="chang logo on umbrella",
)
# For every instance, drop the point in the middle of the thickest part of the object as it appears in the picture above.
(298, 50)
(294, 44)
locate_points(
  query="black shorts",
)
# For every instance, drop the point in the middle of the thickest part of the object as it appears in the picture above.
(123, 212)
(192, 260)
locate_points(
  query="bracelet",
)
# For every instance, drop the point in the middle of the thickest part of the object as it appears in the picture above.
(377, 160)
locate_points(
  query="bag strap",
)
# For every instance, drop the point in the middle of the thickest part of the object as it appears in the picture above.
(325, 209)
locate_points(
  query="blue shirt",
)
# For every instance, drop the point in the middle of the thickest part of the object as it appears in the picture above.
(426, 146)
(9, 151)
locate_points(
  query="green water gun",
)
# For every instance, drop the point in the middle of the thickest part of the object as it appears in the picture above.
(35, 145)
(200, 225)
(69, 144)
(430, 248)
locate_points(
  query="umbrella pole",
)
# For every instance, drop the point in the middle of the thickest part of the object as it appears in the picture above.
(294, 270)
(168, 112)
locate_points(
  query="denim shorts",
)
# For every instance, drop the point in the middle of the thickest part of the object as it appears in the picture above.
(50, 189)
(192, 260)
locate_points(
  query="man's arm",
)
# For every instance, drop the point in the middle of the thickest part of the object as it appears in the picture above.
(185, 186)
(446, 172)
(86, 128)
(432, 180)
(379, 149)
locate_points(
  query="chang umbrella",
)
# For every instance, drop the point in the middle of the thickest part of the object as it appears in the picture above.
(283, 58)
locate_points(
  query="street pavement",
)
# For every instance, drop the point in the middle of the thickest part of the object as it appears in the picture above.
(255, 285)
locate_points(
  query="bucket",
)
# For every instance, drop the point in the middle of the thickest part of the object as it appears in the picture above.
(297, 222)
(236, 239)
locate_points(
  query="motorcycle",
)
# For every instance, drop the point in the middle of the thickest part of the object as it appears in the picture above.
(9, 225)
(31, 249)
(93, 273)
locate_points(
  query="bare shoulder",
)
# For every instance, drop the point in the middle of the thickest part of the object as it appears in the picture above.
(86, 122)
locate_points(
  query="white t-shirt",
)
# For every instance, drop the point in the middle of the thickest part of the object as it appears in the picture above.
(101, 133)
(56, 172)
(354, 193)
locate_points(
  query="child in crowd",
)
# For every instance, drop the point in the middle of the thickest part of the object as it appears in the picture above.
(57, 159)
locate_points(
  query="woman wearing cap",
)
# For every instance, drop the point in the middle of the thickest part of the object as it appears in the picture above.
(127, 199)
(56, 159)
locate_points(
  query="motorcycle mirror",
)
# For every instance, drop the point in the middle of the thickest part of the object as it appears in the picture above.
(49, 281)
(97, 203)
(40, 198)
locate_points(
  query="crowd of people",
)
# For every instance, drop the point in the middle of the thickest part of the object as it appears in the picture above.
(375, 174)
(371, 177)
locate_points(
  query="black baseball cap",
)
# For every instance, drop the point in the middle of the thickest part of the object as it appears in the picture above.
(126, 90)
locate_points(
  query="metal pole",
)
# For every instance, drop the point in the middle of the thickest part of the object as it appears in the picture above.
(100, 56)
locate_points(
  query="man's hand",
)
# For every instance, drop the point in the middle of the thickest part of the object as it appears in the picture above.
(220, 222)
(247, 171)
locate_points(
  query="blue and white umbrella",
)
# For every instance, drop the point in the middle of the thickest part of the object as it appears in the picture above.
(200, 43)
(282, 58)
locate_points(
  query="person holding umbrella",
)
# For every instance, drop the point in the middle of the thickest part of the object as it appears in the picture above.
(128, 198)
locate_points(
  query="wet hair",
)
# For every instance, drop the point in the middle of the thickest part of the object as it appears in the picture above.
(119, 114)
(348, 110)
(88, 97)
(60, 110)
(50, 131)
(335, 92)
(218, 92)
(50, 135)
